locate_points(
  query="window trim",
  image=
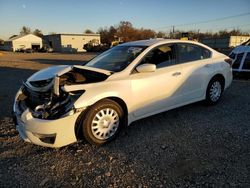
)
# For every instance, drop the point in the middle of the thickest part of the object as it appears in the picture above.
(243, 61)
(175, 55)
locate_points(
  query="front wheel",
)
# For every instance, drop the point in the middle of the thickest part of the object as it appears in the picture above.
(214, 91)
(102, 122)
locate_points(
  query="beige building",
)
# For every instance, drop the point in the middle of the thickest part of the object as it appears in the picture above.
(70, 42)
(28, 41)
(225, 42)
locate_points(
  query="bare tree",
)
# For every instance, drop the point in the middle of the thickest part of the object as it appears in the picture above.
(25, 30)
(38, 32)
(88, 31)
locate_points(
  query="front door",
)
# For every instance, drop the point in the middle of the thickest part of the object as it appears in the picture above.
(156, 91)
(153, 92)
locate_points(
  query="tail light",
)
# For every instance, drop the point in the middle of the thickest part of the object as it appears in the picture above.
(229, 61)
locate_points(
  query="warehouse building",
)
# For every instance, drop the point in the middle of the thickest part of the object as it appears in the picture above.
(23, 42)
(225, 42)
(70, 42)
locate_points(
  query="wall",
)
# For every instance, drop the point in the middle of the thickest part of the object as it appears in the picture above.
(237, 40)
(225, 42)
(75, 43)
(216, 42)
(54, 41)
(26, 42)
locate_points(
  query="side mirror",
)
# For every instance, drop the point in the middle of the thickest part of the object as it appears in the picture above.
(146, 68)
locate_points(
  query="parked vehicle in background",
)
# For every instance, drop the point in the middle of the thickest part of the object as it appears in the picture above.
(58, 105)
(90, 47)
(241, 59)
(45, 50)
(29, 50)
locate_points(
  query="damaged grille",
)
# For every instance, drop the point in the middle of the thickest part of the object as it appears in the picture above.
(46, 105)
(35, 98)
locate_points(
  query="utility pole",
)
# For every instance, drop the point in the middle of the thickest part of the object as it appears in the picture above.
(173, 36)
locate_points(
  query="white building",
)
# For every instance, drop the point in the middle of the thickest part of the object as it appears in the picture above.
(28, 41)
(70, 42)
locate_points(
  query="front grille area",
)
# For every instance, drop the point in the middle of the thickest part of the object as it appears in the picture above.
(46, 105)
(35, 98)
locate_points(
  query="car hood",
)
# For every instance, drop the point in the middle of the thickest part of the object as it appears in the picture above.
(54, 71)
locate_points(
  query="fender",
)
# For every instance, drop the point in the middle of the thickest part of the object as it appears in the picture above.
(99, 91)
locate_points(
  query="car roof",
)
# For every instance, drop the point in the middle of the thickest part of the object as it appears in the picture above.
(151, 42)
(148, 42)
(155, 42)
(241, 49)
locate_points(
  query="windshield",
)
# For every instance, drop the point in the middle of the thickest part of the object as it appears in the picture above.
(117, 58)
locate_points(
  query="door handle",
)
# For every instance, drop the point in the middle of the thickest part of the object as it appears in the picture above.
(176, 74)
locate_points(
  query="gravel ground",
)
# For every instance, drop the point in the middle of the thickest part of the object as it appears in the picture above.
(192, 146)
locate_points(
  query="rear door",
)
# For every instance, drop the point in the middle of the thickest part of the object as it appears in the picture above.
(197, 68)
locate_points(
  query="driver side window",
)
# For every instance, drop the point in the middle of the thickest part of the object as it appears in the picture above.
(162, 56)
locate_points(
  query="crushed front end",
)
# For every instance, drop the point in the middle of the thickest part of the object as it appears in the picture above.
(44, 113)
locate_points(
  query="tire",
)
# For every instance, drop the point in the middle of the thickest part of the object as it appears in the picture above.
(102, 122)
(214, 91)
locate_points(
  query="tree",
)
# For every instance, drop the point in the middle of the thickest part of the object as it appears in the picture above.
(160, 34)
(1, 41)
(125, 31)
(107, 34)
(88, 31)
(143, 34)
(25, 30)
(38, 32)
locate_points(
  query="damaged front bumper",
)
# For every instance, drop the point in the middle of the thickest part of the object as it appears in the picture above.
(44, 112)
(49, 133)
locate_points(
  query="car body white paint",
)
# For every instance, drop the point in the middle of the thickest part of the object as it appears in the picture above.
(144, 94)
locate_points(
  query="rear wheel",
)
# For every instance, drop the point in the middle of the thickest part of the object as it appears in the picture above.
(214, 91)
(103, 122)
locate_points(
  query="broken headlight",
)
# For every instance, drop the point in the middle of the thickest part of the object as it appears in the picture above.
(57, 108)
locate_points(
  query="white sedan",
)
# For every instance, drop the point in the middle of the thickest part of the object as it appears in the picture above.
(58, 105)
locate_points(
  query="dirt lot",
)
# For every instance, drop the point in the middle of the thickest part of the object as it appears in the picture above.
(192, 146)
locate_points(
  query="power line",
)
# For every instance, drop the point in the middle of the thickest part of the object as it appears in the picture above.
(207, 21)
(236, 26)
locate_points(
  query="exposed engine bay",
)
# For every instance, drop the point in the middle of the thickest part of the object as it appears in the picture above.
(46, 98)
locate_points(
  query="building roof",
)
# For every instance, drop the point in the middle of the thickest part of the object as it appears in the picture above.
(75, 34)
(20, 36)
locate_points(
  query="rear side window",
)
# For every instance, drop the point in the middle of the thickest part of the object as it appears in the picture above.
(246, 64)
(191, 52)
(237, 61)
